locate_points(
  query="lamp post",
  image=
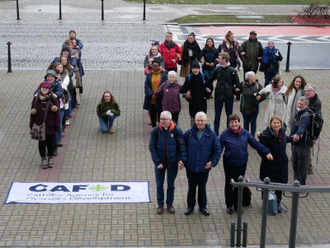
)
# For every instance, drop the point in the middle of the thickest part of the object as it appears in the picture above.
(102, 10)
(9, 57)
(17, 10)
(60, 18)
(144, 10)
(287, 69)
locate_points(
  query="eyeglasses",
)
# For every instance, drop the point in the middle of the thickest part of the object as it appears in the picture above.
(164, 119)
(200, 121)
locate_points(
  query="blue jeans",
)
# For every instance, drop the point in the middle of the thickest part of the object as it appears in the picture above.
(106, 122)
(172, 171)
(250, 119)
(269, 74)
(59, 133)
(208, 73)
(218, 105)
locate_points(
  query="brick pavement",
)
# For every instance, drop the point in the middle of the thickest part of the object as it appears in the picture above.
(124, 156)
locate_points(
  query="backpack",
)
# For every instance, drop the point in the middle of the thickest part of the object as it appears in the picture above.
(246, 196)
(203, 77)
(315, 128)
(175, 133)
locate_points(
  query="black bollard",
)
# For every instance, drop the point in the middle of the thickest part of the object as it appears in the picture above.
(17, 10)
(144, 10)
(9, 57)
(60, 18)
(288, 58)
(232, 234)
(102, 9)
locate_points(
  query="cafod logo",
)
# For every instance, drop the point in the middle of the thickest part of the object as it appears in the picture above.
(98, 187)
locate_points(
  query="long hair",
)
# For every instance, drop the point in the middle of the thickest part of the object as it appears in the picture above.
(291, 85)
(275, 80)
(213, 47)
(68, 66)
(64, 70)
(112, 101)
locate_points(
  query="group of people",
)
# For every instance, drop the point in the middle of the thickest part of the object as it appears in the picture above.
(200, 147)
(57, 96)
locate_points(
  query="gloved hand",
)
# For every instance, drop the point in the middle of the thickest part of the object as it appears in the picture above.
(108, 112)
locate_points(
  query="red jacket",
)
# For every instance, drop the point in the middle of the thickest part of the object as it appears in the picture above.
(169, 54)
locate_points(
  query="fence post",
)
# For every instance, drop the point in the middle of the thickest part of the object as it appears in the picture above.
(17, 9)
(245, 232)
(239, 212)
(60, 10)
(144, 10)
(9, 57)
(102, 9)
(294, 216)
(287, 69)
(232, 234)
(264, 215)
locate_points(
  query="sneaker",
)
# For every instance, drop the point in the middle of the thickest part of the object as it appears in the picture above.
(60, 143)
(44, 164)
(50, 162)
(67, 122)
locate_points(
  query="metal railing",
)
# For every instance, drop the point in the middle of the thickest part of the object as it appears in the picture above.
(295, 190)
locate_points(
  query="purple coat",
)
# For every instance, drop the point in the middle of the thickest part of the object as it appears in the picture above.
(171, 101)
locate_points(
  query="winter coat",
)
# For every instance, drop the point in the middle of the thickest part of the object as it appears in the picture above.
(79, 64)
(276, 104)
(316, 102)
(56, 89)
(166, 148)
(73, 60)
(148, 91)
(253, 49)
(236, 147)
(199, 96)
(271, 65)
(79, 43)
(171, 99)
(225, 47)
(146, 61)
(203, 151)
(102, 109)
(52, 118)
(291, 106)
(209, 56)
(185, 65)
(227, 82)
(299, 127)
(277, 169)
(249, 103)
(169, 54)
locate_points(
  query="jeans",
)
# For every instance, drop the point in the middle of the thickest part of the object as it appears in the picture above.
(218, 109)
(232, 171)
(269, 74)
(172, 172)
(59, 133)
(194, 180)
(106, 122)
(49, 143)
(300, 160)
(208, 73)
(250, 119)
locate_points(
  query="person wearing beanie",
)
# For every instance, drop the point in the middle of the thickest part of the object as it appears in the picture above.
(171, 52)
(197, 89)
(250, 53)
(271, 58)
(190, 51)
(153, 81)
(46, 103)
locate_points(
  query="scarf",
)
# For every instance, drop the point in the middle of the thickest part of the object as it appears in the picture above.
(169, 44)
(195, 49)
(275, 90)
(268, 54)
(155, 83)
(236, 132)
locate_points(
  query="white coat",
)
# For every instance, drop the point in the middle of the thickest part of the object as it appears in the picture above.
(292, 100)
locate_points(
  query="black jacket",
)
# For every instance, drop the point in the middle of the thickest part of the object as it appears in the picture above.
(316, 102)
(249, 102)
(276, 170)
(227, 82)
(271, 65)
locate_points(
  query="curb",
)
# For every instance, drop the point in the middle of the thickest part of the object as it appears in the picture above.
(250, 24)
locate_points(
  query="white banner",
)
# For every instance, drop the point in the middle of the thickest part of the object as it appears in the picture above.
(79, 192)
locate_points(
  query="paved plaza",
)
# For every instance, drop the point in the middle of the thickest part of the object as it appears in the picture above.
(113, 55)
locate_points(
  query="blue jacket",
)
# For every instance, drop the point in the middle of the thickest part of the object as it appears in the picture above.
(300, 127)
(73, 60)
(236, 147)
(148, 91)
(210, 57)
(202, 152)
(56, 89)
(167, 148)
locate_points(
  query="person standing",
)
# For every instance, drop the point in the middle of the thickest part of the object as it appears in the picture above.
(231, 46)
(168, 152)
(170, 52)
(227, 85)
(197, 89)
(190, 51)
(204, 153)
(208, 57)
(251, 52)
(300, 145)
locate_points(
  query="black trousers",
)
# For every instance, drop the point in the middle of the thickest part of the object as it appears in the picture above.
(49, 143)
(153, 115)
(194, 180)
(175, 117)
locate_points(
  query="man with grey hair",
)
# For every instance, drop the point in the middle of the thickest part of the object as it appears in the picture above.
(315, 102)
(300, 145)
(168, 152)
(204, 152)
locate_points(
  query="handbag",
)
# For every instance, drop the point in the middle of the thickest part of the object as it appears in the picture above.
(262, 67)
(272, 203)
(38, 132)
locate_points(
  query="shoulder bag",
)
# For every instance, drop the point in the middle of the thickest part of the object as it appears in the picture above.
(39, 132)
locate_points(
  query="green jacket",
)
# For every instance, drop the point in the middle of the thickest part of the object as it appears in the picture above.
(253, 49)
(101, 110)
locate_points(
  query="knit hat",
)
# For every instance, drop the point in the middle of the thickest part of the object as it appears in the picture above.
(65, 48)
(271, 41)
(253, 32)
(195, 64)
(45, 84)
(155, 43)
(73, 31)
(50, 72)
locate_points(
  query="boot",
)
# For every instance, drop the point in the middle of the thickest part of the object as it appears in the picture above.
(55, 150)
(149, 123)
(111, 130)
(44, 164)
(60, 143)
(50, 162)
(63, 131)
(279, 209)
(78, 96)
